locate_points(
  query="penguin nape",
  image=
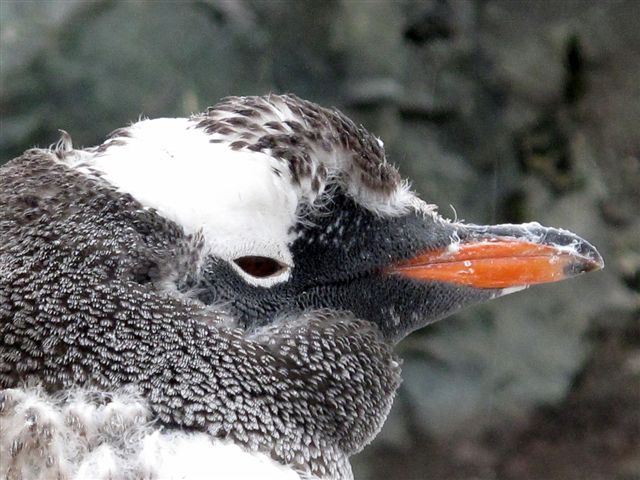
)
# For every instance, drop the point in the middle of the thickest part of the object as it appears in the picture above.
(219, 296)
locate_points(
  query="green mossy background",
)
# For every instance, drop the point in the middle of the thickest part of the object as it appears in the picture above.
(507, 110)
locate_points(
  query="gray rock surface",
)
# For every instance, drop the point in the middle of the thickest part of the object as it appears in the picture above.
(508, 111)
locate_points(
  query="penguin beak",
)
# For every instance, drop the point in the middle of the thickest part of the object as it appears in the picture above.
(402, 273)
(502, 257)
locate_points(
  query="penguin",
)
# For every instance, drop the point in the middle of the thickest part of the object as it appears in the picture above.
(219, 296)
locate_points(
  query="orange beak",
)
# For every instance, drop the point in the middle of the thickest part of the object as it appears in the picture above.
(498, 262)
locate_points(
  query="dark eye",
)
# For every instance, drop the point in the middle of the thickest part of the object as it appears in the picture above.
(260, 267)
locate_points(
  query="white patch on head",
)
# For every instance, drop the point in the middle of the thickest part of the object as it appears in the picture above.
(399, 202)
(337, 162)
(89, 435)
(243, 202)
(232, 197)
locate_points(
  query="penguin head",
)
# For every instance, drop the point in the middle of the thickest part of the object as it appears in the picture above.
(298, 210)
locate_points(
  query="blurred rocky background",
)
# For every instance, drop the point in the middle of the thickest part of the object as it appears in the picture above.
(509, 111)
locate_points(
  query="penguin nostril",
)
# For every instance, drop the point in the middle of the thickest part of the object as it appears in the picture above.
(260, 267)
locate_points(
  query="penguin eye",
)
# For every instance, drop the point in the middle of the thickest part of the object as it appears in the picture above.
(261, 267)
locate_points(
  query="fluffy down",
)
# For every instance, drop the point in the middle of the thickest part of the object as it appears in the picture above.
(90, 436)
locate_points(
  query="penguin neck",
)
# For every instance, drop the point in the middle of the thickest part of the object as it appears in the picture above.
(309, 392)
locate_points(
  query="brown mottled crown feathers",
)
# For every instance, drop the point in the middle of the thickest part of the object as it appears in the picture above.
(299, 132)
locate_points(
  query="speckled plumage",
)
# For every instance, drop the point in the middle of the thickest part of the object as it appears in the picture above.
(316, 146)
(82, 303)
(251, 123)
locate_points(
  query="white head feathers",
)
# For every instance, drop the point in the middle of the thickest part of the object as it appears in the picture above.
(244, 169)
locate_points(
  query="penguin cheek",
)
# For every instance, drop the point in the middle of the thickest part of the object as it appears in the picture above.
(411, 305)
(397, 306)
(407, 305)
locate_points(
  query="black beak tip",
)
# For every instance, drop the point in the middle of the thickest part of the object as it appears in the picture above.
(587, 259)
